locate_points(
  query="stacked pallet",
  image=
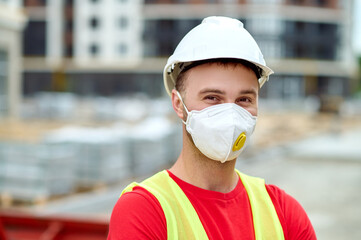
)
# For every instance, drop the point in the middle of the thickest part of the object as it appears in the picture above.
(78, 158)
(101, 154)
(35, 172)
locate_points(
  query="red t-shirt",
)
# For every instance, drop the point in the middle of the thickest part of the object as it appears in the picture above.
(138, 214)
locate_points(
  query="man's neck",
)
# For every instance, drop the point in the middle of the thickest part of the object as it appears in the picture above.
(195, 168)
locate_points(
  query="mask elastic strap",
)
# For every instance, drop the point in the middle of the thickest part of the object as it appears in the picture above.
(180, 97)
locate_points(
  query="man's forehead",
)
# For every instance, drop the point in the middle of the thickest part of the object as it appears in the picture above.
(209, 71)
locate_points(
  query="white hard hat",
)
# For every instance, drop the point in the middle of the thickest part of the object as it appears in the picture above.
(215, 37)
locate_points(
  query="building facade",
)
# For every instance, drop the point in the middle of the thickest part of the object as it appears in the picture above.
(12, 21)
(307, 43)
(108, 47)
(107, 31)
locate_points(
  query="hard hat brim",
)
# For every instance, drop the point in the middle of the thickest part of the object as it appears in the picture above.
(170, 75)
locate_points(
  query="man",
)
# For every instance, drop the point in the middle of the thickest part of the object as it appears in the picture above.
(213, 79)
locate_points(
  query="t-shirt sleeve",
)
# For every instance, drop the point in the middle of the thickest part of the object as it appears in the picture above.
(137, 215)
(294, 220)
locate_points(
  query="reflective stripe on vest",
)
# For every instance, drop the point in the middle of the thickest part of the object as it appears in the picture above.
(183, 221)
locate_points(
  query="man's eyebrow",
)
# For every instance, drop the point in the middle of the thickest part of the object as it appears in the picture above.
(211, 90)
(217, 91)
(249, 91)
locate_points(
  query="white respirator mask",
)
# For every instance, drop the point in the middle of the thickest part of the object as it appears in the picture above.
(221, 132)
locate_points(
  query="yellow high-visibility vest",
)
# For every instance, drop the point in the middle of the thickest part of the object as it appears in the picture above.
(183, 221)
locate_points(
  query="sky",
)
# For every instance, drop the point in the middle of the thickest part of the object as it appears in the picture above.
(357, 27)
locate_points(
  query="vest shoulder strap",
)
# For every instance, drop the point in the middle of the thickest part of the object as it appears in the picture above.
(182, 219)
(265, 219)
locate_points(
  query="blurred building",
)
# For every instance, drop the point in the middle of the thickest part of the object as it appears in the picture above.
(89, 47)
(107, 32)
(12, 21)
(307, 43)
(108, 47)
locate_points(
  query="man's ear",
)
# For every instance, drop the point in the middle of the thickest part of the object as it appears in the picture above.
(177, 104)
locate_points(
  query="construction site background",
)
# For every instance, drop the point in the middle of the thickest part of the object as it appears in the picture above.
(315, 156)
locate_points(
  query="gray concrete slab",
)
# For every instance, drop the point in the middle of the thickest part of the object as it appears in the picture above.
(339, 146)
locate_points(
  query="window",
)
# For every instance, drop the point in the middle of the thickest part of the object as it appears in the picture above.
(94, 22)
(321, 3)
(123, 22)
(286, 87)
(32, 3)
(69, 2)
(123, 49)
(265, 25)
(34, 39)
(94, 49)
(69, 25)
(300, 26)
(271, 48)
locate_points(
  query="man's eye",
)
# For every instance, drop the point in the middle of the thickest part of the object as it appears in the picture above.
(245, 100)
(212, 98)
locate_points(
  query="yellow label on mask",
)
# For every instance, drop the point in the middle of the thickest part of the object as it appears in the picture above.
(239, 143)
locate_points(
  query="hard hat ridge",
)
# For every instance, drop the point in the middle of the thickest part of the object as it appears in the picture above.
(223, 21)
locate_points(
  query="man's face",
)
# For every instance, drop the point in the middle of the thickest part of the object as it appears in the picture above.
(212, 83)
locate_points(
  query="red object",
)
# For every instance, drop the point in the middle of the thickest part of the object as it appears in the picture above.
(20, 226)
(138, 214)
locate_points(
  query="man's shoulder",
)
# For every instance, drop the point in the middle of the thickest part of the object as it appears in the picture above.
(282, 199)
(137, 197)
(275, 191)
(137, 213)
(292, 215)
(280, 196)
